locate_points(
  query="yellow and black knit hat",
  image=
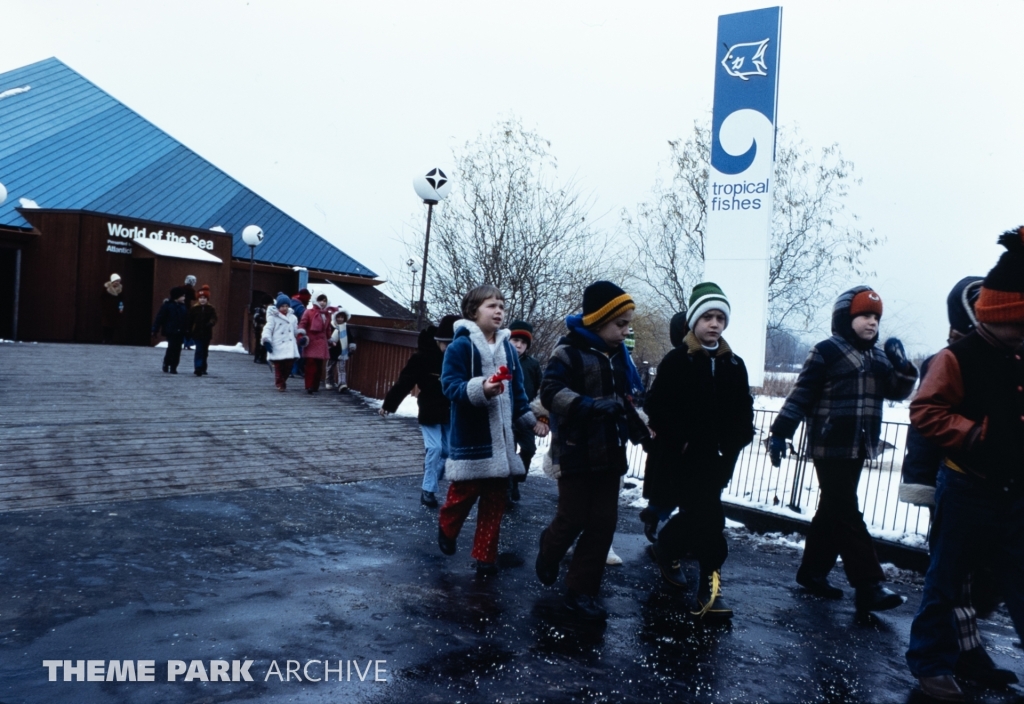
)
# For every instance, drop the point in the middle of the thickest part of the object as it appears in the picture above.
(602, 301)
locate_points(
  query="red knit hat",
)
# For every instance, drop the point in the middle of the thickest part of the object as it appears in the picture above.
(866, 302)
(1002, 292)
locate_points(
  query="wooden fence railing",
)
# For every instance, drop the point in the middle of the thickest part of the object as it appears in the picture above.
(379, 357)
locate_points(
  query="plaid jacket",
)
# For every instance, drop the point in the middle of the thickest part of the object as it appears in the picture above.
(839, 393)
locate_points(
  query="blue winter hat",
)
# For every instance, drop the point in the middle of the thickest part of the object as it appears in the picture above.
(282, 300)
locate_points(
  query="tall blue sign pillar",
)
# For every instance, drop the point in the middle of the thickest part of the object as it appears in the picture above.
(736, 250)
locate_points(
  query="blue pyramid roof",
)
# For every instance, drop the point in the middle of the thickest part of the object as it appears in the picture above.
(67, 145)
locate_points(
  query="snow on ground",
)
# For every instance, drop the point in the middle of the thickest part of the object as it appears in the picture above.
(408, 408)
(237, 347)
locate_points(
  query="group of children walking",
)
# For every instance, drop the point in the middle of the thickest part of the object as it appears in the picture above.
(694, 422)
(311, 342)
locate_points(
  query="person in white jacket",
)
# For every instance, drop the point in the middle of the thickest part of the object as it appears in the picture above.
(340, 347)
(279, 339)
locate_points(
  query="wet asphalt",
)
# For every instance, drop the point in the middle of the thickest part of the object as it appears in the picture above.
(352, 573)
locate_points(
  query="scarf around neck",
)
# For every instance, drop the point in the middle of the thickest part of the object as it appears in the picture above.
(633, 380)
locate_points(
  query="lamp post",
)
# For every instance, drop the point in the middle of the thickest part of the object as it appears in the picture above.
(413, 268)
(433, 187)
(252, 235)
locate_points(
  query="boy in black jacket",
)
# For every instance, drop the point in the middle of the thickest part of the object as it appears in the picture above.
(588, 386)
(424, 370)
(171, 320)
(701, 412)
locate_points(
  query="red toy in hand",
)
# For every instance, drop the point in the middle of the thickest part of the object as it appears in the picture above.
(502, 375)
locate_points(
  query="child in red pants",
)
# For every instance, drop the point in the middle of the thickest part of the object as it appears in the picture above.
(482, 378)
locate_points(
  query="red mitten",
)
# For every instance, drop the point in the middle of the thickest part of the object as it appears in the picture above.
(502, 374)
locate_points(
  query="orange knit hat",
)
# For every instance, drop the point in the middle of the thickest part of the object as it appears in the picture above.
(1002, 292)
(866, 302)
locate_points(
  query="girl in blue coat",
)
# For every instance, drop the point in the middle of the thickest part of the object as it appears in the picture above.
(482, 378)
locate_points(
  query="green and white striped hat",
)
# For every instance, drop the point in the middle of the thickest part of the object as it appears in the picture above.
(707, 296)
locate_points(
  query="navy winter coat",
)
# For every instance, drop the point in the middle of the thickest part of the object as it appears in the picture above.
(171, 320)
(481, 443)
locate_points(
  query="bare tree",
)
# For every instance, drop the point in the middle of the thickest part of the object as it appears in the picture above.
(510, 223)
(816, 246)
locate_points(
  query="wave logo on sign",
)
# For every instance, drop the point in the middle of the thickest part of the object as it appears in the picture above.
(746, 59)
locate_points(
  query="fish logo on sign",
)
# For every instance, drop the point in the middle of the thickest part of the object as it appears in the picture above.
(746, 59)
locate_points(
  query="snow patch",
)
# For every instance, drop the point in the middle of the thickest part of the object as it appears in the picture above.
(15, 91)
(238, 347)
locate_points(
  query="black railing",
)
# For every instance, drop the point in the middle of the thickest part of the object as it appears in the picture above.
(792, 488)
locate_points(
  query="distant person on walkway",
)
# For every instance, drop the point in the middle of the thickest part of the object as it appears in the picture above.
(171, 320)
(315, 325)
(190, 300)
(839, 396)
(483, 379)
(111, 308)
(299, 302)
(970, 404)
(279, 340)
(521, 337)
(259, 320)
(423, 370)
(588, 387)
(702, 414)
(341, 346)
(201, 319)
(662, 480)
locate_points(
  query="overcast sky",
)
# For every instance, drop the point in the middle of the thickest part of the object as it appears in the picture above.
(329, 109)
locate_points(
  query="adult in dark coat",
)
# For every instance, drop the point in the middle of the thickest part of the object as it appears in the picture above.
(423, 370)
(171, 321)
(111, 308)
(201, 319)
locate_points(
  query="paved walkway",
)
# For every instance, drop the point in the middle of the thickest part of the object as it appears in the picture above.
(87, 423)
(308, 570)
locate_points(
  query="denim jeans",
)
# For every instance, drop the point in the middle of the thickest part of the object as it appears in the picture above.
(435, 440)
(974, 524)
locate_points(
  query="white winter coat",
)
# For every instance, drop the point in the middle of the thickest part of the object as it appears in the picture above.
(280, 331)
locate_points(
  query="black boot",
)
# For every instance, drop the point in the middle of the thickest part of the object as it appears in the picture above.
(818, 585)
(875, 597)
(428, 499)
(547, 573)
(942, 688)
(446, 544)
(486, 569)
(650, 520)
(584, 606)
(671, 570)
(513, 489)
(976, 665)
(710, 605)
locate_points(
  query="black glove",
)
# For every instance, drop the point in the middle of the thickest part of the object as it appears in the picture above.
(896, 354)
(267, 346)
(607, 407)
(776, 449)
(647, 442)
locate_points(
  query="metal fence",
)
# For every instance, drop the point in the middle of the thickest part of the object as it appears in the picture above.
(792, 488)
